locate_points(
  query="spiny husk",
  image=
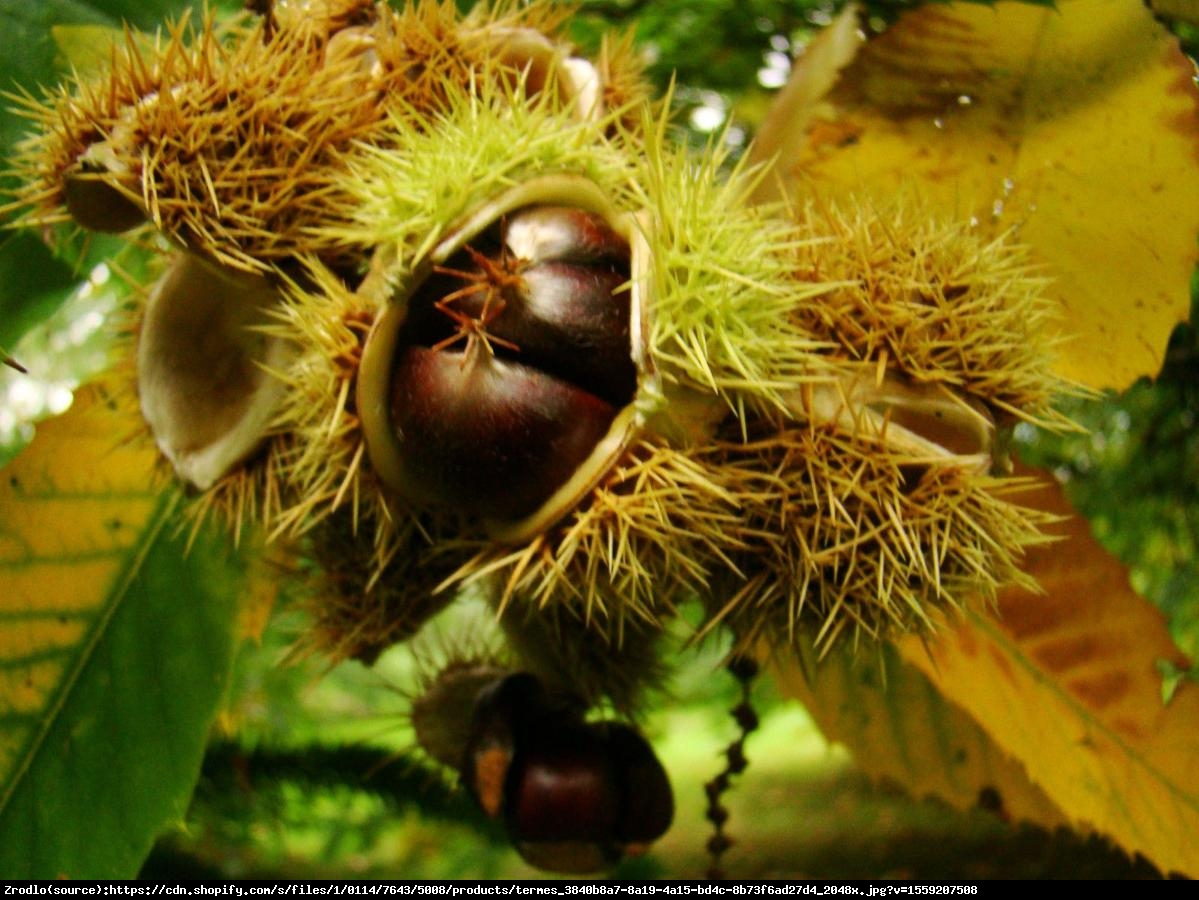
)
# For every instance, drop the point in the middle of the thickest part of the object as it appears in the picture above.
(723, 279)
(796, 522)
(724, 285)
(405, 198)
(405, 193)
(626, 87)
(233, 138)
(84, 111)
(792, 523)
(646, 538)
(933, 301)
(250, 496)
(365, 595)
(853, 536)
(319, 444)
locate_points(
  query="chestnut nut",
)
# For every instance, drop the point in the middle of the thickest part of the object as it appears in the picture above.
(575, 796)
(512, 363)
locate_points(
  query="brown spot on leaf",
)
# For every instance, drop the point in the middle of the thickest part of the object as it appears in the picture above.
(1100, 690)
(1130, 729)
(843, 133)
(999, 657)
(1068, 651)
(1186, 121)
(967, 642)
(1025, 616)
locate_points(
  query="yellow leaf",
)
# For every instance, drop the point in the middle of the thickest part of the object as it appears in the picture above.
(1068, 683)
(73, 508)
(1178, 10)
(899, 728)
(803, 96)
(1075, 126)
(88, 48)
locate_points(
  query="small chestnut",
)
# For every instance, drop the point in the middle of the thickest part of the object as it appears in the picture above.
(575, 796)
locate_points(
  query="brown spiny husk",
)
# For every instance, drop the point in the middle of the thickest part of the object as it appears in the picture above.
(791, 523)
(320, 443)
(856, 537)
(932, 300)
(366, 592)
(232, 138)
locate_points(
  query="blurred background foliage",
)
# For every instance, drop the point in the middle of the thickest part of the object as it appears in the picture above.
(311, 773)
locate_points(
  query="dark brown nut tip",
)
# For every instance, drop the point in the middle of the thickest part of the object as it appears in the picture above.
(98, 206)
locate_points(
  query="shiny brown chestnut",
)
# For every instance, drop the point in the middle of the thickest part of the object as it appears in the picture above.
(487, 435)
(505, 366)
(98, 206)
(575, 796)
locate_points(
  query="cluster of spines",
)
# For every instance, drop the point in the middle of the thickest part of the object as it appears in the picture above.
(858, 537)
(646, 536)
(806, 524)
(801, 534)
(235, 138)
(406, 192)
(366, 592)
(723, 283)
(933, 301)
(82, 111)
(320, 443)
(626, 91)
(797, 528)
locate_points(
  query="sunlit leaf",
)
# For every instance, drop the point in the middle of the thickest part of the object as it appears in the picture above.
(1069, 684)
(1076, 126)
(88, 48)
(115, 648)
(900, 728)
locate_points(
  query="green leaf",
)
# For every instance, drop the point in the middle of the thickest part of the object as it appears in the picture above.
(32, 285)
(115, 651)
